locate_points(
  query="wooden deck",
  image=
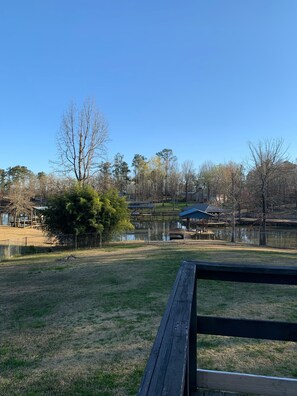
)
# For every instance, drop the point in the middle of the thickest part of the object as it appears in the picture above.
(172, 367)
(197, 235)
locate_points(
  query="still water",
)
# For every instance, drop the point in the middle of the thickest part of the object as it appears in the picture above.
(276, 236)
(159, 231)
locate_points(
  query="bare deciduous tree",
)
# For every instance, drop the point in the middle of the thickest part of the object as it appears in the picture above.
(82, 141)
(167, 161)
(188, 174)
(266, 157)
(20, 203)
(234, 187)
(141, 179)
(209, 176)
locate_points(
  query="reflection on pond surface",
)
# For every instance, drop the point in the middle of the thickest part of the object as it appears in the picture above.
(276, 237)
(159, 231)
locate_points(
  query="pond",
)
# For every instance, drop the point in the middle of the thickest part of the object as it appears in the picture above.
(159, 231)
(276, 236)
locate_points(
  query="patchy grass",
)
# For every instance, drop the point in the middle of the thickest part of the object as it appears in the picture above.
(86, 327)
(231, 299)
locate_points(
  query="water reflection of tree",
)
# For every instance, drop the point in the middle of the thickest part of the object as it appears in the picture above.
(266, 159)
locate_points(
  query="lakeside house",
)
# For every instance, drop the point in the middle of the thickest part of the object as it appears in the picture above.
(32, 216)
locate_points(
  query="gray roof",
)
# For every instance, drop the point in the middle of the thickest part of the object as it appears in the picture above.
(206, 208)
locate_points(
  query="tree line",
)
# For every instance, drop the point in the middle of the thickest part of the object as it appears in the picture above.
(267, 181)
(161, 178)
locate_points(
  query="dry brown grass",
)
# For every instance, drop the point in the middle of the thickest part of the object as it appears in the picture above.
(34, 236)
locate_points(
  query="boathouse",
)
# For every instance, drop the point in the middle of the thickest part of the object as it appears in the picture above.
(196, 214)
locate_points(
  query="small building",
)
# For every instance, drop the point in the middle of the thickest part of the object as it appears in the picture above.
(33, 216)
(4, 211)
(207, 208)
(195, 214)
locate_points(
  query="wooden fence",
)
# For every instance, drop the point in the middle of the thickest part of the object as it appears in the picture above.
(172, 367)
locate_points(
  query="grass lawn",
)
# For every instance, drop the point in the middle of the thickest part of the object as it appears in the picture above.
(86, 326)
(169, 206)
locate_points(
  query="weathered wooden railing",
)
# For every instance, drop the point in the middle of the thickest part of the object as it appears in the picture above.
(172, 366)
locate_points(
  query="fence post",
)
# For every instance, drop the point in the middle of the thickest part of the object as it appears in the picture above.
(75, 242)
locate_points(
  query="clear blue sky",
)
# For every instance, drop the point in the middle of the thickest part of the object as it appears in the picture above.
(202, 77)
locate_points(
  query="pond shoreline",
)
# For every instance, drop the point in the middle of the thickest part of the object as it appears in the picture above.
(269, 222)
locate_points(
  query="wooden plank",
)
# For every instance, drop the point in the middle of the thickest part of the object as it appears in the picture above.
(247, 273)
(247, 383)
(259, 329)
(172, 362)
(192, 354)
(165, 373)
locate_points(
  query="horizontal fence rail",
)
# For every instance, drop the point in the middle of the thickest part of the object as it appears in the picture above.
(172, 366)
(260, 329)
(236, 382)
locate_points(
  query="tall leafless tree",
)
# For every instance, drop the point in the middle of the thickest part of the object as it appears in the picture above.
(140, 169)
(20, 202)
(233, 189)
(168, 160)
(188, 175)
(209, 179)
(82, 140)
(266, 158)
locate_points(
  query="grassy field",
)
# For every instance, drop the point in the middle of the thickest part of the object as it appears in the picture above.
(85, 326)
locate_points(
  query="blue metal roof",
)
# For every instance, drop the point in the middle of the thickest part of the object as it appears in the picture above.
(194, 213)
